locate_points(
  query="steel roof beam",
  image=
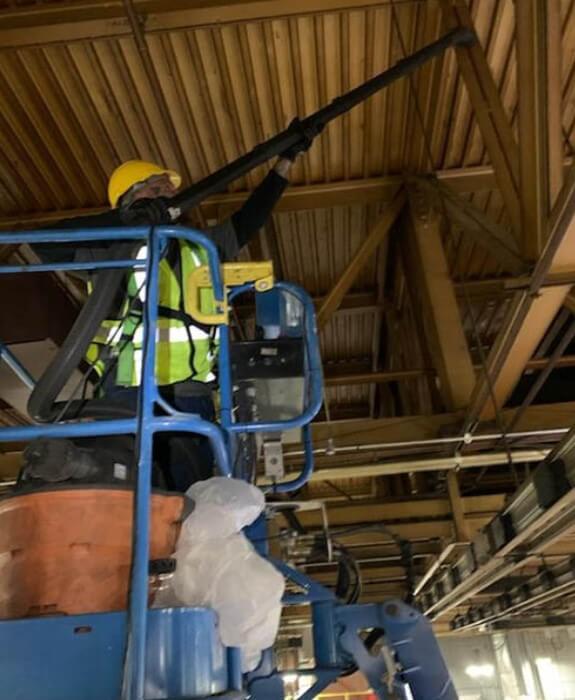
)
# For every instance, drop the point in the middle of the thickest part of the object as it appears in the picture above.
(403, 510)
(346, 377)
(296, 197)
(361, 257)
(531, 312)
(489, 112)
(540, 130)
(40, 25)
(474, 223)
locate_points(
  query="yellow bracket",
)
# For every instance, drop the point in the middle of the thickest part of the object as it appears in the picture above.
(261, 274)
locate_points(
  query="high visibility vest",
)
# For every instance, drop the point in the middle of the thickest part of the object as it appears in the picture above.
(185, 349)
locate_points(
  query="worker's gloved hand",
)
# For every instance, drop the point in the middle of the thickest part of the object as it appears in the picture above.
(152, 212)
(307, 135)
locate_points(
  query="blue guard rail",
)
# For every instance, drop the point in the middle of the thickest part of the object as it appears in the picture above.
(145, 424)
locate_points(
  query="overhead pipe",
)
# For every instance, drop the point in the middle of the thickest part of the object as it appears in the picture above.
(357, 471)
(429, 442)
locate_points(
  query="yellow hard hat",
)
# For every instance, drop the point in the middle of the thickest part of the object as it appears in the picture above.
(132, 172)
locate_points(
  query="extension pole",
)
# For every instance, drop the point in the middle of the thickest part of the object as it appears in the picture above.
(312, 125)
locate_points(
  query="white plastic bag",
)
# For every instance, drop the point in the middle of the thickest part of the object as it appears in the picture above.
(217, 567)
(222, 507)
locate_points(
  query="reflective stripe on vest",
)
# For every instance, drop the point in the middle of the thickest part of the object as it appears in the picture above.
(183, 350)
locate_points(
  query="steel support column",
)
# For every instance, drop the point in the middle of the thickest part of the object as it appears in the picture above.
(448, 343)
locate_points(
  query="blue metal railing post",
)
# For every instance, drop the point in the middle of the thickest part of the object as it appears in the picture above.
(226, 393)
(138, 604)
(225, 377)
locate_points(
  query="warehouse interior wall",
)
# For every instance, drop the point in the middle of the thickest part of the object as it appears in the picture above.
(513, 665)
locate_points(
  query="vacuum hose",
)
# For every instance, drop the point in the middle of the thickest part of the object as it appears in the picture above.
(42, 404)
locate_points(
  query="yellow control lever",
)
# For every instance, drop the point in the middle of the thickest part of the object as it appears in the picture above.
(234, 274)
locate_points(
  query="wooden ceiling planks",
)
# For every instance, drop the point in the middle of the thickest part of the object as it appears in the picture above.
(230, 85)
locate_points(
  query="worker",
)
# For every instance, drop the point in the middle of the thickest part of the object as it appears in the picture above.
(186, 351)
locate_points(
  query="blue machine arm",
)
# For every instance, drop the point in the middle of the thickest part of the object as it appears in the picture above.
(412, 657)
(407, 654)
(408, 634)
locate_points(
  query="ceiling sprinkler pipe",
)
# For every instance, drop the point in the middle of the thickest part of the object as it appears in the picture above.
(331, 449)
(425, 465)
(385, 468)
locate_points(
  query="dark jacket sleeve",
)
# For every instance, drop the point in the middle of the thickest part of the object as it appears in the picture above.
(247, 221)
(78, 250)
(258, 207)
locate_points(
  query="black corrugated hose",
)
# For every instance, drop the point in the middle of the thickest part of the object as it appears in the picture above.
(42, 404)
